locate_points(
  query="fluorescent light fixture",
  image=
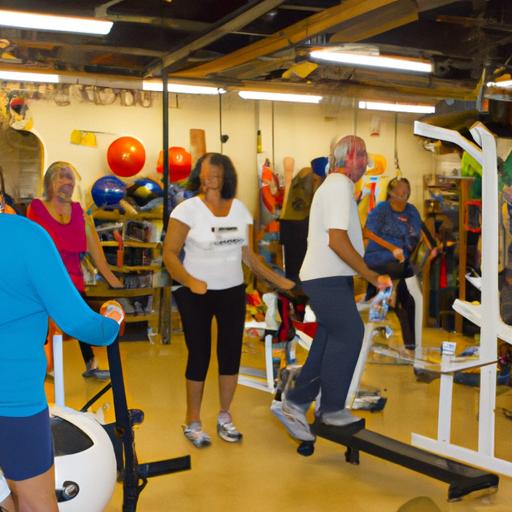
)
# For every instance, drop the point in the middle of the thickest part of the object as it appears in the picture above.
(377, 61)
(20, 76)
(278, 96)
(505, 84)
(158, 86)
(397, 107)
(51, 22)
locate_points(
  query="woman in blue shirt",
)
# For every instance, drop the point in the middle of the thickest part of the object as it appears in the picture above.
(393, 229)
(34, 285)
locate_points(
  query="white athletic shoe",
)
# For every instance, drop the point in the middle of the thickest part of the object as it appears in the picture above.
(293, 417)
(339, 418)
(228, 432)
(195, 434)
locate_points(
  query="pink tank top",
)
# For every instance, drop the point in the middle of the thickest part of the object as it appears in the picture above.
(69, 238)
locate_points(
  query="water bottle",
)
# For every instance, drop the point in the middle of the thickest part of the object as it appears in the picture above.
(379, 305)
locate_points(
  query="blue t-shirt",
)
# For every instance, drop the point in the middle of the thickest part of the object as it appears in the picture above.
(35, 285)
(398, 228)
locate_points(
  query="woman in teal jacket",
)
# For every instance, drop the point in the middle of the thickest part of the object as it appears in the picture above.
(34, 285)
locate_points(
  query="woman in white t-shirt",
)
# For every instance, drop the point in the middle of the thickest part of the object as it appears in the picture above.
(213, 229)
(334, 255)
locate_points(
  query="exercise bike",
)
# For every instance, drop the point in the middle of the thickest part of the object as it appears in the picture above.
(90, 456)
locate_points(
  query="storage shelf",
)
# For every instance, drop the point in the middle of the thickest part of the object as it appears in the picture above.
(140, 318)
(115, 215)
(93, 291)
(131, 243)
(149, 296)
(135, 268)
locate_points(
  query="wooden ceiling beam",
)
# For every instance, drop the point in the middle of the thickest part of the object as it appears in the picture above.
(367, 90)
(304, 8)
(294, 34)
(453, 90)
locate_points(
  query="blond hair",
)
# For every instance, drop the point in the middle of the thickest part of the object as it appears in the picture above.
(49, 176)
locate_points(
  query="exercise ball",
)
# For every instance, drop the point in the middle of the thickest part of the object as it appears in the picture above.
(126, 156)
(180, 163)
(108, 191)
(320, 166)
(144, 190)
(85, 462)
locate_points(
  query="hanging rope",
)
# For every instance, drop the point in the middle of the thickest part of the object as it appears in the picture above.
(221, 137)
(356, 110)
(273, 159)
(397, 163)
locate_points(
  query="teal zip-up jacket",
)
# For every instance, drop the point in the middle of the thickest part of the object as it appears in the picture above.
(35, 285)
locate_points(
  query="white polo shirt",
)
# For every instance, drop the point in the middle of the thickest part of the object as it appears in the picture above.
(213, 247)
(333, 207)
(4, 487)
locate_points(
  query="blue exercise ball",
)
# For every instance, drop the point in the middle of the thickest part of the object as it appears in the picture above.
(320, 166)
(108, 191)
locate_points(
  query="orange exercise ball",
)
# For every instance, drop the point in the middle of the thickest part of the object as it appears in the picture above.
(126, 156)
(180, 163)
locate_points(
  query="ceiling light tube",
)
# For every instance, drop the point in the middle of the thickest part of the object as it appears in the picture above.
(397, 107)
(157, 86)
(29, 20)
(20, 76)
(278, 96)
(377, 61)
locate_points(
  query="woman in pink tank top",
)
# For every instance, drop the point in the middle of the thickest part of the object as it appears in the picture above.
(73, 236)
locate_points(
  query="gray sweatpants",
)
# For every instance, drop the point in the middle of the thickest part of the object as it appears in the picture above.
(335, 349)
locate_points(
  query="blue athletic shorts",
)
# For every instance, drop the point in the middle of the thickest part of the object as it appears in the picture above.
(26, 446)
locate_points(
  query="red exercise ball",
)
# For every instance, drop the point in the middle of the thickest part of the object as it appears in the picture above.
(180, 163)
(126, 156)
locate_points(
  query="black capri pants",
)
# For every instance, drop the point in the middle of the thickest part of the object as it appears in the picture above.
(197, 312)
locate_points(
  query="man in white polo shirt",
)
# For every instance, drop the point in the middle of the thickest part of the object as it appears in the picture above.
(334, 255)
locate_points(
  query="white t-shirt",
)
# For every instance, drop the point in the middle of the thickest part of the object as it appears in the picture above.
(333, 207)
(213, 247)
(4, 488)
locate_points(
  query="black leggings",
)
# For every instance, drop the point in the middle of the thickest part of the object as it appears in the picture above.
(405, 305)
(197, 312)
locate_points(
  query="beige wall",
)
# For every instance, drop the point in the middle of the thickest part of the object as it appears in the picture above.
(305, 132)
(301, 131)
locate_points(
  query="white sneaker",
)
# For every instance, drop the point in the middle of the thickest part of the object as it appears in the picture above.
(293, 417)
(195, 434)
(228, 432)
(339, 418)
